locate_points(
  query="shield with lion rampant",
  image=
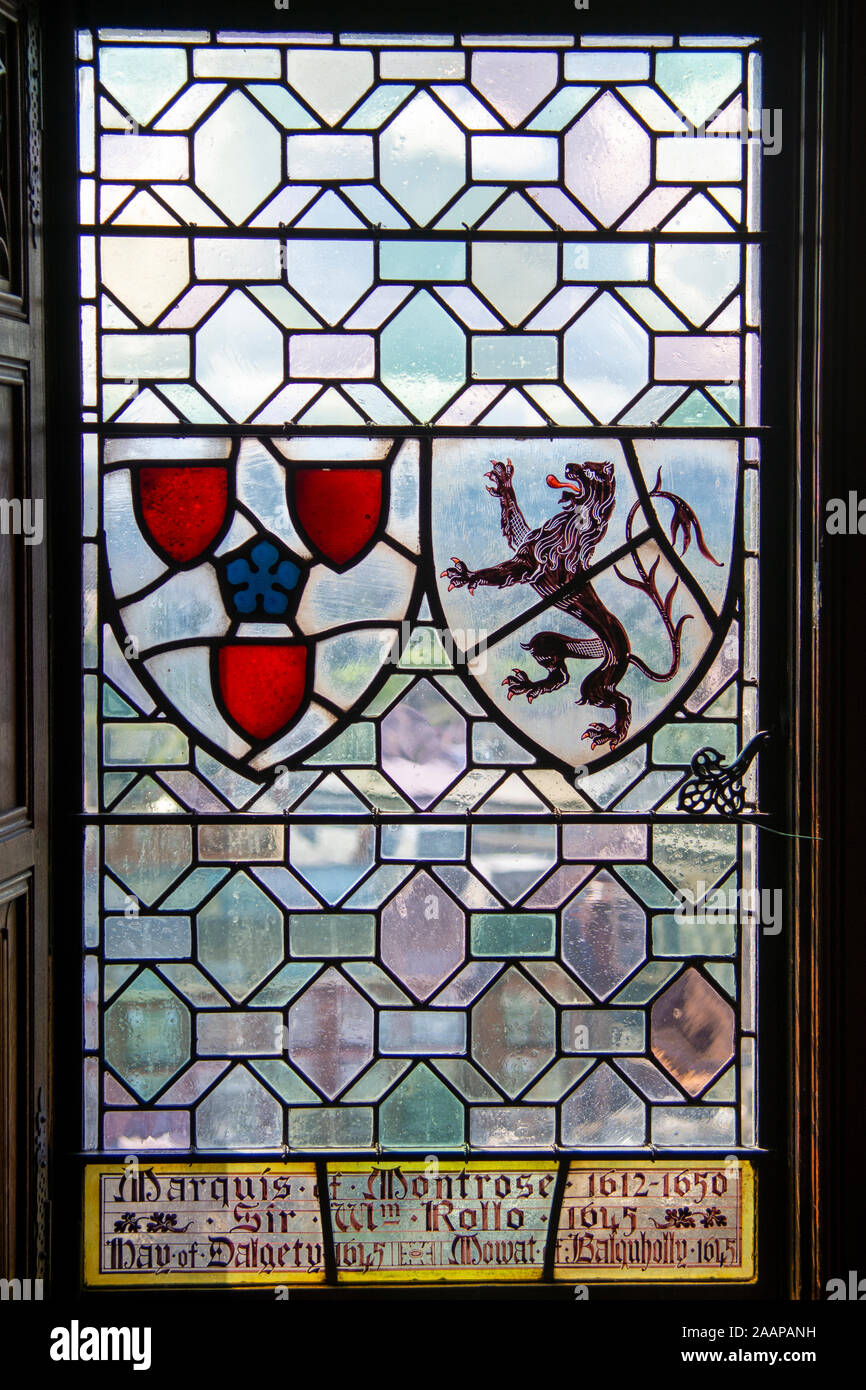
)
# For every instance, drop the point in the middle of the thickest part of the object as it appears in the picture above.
(258, 587)
(586, 584)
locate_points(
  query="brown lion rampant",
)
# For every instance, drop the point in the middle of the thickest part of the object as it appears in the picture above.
(555, 555)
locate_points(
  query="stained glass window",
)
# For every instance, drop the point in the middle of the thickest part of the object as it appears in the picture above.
(420, 403)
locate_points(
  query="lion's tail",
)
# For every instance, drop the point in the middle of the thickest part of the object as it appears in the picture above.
(668, 675)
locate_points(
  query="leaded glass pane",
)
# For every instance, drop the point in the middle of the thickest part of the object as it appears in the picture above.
(420, 604)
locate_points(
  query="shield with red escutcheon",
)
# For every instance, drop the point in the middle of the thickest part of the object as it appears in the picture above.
(262, 684)
(257, 590)
(337, 510)
(183, 507)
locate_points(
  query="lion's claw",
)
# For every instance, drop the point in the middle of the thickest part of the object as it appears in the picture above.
(518, 683)
(500, 475)
(600, 733)
(458, 574)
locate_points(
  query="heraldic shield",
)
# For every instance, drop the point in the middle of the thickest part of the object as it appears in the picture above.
(259, 586)
(586, 583)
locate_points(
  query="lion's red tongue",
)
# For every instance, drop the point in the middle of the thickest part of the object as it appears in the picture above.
(553, 481)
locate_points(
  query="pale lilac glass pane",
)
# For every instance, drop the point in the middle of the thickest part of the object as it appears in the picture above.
(560, 208)
(753, 379)
(90, 1086)
(88, 355)
(91, 1002)
(693, 358)
(190, 1085)
(611, 839)
(465, 986)
(747, 1091)
(606, 67)
(513, 1032)
(515, 83)
(422, 935)
(423, 743)
(603, 935)
(377, 306)
(558, 310)
(86, 157)
(649, 1080)
(345, 355)
(331, 1032)
(146, 1129)
(607, 159)
(239, 1034)
(720, 672)
(754, 153)
(193, 306)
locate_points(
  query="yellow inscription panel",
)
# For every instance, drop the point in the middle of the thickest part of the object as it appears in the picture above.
(201, 1223)
(433, 1221)
(655, 1222)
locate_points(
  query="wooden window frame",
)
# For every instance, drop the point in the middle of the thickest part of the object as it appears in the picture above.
(814, 347)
